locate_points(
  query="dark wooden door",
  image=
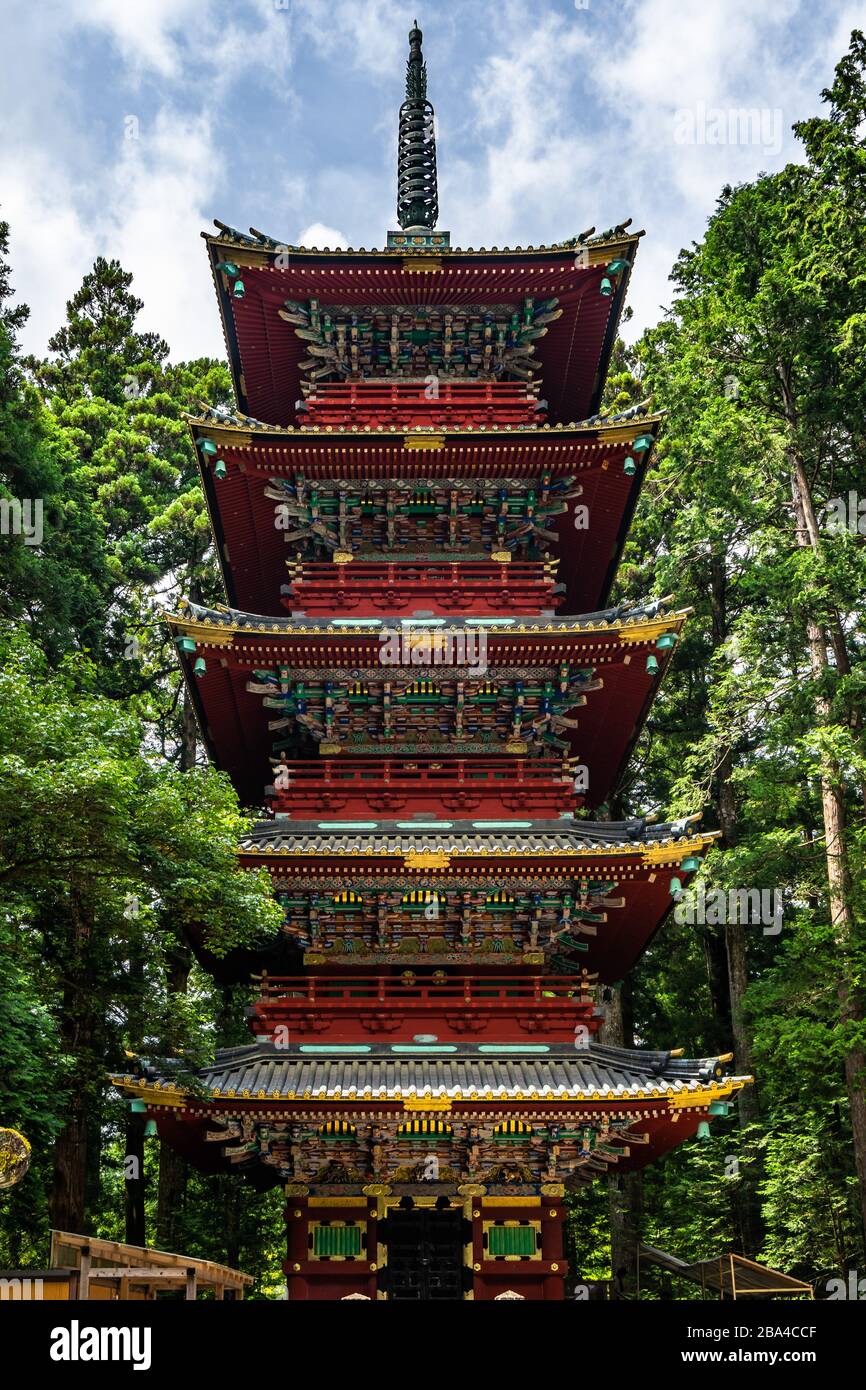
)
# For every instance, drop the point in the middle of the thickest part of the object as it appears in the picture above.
(425, 1254)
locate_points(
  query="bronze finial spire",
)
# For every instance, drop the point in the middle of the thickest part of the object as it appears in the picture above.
(417, 202)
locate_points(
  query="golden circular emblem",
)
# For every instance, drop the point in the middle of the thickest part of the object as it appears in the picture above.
(14, 1157)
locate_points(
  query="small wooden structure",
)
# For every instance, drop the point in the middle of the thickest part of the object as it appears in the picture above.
(83, 1267)
(730, 1275)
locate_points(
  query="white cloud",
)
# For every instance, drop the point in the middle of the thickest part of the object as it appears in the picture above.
(147, 36)
(532, 160)
(160, 192)
(576, 115)
(550, 119)
(149, 222)
(50, 249)
(73, 189)
(366, 35)
(685, 56)
(186, 40)
(320, 236)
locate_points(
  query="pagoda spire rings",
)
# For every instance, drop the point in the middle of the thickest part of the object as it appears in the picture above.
(417, 197)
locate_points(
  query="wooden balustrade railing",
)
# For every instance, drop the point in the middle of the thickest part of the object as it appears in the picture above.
(493, 992)
(462, 572)
(511, 773)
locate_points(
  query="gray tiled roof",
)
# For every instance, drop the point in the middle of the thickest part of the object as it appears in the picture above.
(261, 241)
(464, 836)
(623, 613)
(609, 1072)
(221, 415)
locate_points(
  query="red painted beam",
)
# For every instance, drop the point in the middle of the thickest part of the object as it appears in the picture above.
(309, 1008)
(484, 786)
(406, 405)
(524, 589)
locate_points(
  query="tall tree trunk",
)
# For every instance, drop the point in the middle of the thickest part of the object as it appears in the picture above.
(93, 1164)
(748, 1202)
(232, 1200)
(735, 932)
(188, 733)
(133, 1187)
(748, 1213)
(66, 1202)
(850, 999)
(170, 1197)
(78, 1026)
(733, 938)
(172, 1166)
(718, 975)
(624, 1190)
(808, 536)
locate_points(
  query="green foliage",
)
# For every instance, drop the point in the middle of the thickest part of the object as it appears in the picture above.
(760, 364)
(111, 858)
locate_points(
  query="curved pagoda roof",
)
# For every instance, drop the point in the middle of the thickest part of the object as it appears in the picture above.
(619, 874)
(598, 1105)
(256, 277)
(232, 659)
(256, 458)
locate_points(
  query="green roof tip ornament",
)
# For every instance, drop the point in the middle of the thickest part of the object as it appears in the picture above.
(232, 271)
(665, 641)
(417, 196)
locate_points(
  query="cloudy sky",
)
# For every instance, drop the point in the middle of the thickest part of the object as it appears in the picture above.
(128, 125)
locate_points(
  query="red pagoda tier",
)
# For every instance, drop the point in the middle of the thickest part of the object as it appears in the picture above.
(420, 499)
(564, 894)
(464, 1143)
(301, 323)
(530, 686)
(478, 517)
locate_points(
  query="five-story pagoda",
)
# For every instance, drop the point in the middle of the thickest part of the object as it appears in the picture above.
(419, 515)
